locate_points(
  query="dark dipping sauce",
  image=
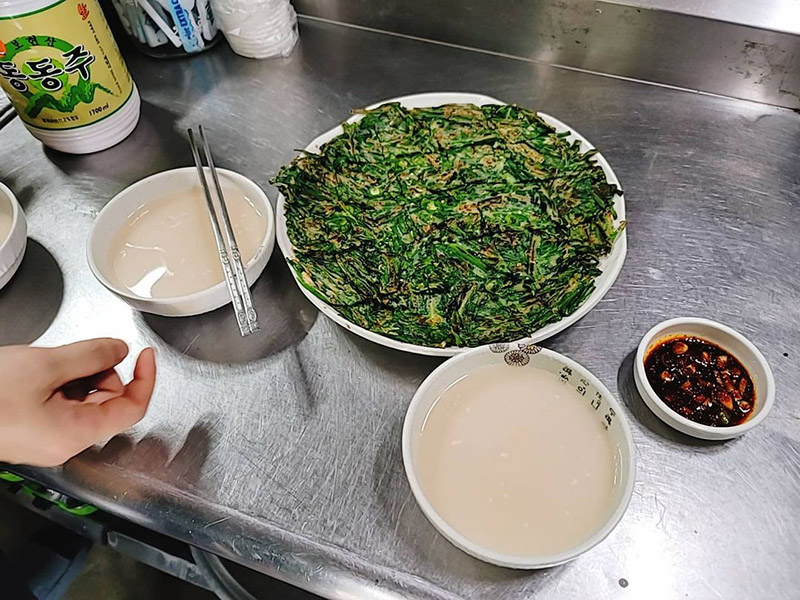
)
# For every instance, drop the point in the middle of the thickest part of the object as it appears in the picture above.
(700, 381)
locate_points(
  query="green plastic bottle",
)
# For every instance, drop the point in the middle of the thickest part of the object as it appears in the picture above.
(62, 71)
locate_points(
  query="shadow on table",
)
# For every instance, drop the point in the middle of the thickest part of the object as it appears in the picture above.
(401, 364)
(150, 457)
(30, 301)
(284, 315)
(630, 396)
(157, 144)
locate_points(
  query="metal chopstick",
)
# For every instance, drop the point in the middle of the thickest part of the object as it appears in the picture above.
(238, 268)
(238, 304)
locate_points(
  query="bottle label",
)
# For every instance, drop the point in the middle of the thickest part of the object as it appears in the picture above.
(61, 67)
(187, 29)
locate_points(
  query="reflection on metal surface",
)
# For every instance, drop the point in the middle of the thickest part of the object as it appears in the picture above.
(777, 15)
(290, 463)
(158, 143)
(670, 48)
(286, 318)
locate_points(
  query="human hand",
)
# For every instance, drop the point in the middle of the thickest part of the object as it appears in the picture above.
(56, 402)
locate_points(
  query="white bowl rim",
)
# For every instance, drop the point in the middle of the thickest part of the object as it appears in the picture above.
(195, 295)
(16, 210)
(628, 474)
(618, 251)
(706, 430)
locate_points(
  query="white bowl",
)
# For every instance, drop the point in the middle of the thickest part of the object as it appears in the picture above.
(115, 213)
(521, 356)
(12, 246)
(725, 337)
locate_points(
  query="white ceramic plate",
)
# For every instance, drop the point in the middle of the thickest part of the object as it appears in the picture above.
(524, 356)
(610, 265)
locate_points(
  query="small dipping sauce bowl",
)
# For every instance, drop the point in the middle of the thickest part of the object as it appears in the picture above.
(14, 238)
(727, 339)
(153, 189)
(569, 377)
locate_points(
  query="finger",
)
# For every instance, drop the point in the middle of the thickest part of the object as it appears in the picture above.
(95, 422)
(144, 378)
(82, 359)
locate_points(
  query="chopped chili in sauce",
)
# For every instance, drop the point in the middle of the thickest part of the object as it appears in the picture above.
(700, 381)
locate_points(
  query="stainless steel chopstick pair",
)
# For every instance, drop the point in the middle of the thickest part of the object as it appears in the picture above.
(246, 316)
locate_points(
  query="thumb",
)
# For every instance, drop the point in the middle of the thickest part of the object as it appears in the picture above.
(95, 422)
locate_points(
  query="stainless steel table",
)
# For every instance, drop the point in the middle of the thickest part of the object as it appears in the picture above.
(283, 452)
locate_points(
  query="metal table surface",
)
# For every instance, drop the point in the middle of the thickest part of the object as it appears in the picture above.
(282, 452)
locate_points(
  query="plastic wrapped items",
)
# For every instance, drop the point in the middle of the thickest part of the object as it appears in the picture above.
(258, 28)
(164, 28)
